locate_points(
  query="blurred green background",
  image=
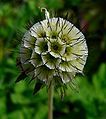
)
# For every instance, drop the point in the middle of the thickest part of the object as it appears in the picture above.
(16, 100)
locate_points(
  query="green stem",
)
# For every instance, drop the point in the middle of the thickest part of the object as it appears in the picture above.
(50, 102)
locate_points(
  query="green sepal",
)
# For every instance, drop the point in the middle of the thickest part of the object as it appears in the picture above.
(38, 85)
(22, 76)
(59, 86)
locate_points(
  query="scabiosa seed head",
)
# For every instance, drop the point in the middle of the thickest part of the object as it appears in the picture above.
(53, 50)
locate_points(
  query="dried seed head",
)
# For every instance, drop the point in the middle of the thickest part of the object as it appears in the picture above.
(55, 48)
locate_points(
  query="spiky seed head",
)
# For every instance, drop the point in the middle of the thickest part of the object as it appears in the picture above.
(56, 50)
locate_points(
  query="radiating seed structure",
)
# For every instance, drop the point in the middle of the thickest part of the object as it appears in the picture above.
(53, 49)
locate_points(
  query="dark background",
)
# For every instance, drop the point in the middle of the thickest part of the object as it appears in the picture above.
(16, 100)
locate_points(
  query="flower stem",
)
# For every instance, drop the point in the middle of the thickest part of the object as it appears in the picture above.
(50, 102)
